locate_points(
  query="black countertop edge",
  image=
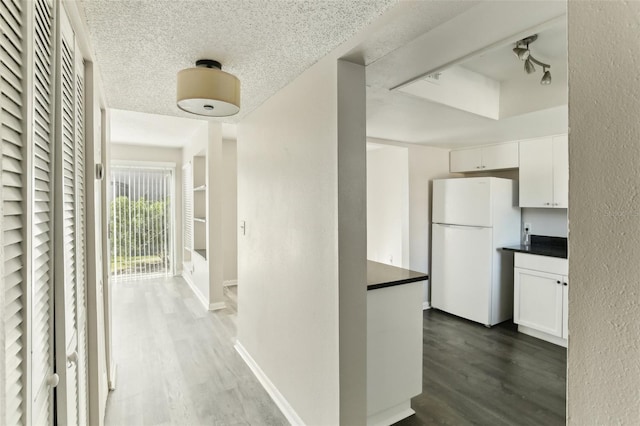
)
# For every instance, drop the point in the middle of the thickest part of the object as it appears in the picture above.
(380, 275)
(540, 250)
(543, 245)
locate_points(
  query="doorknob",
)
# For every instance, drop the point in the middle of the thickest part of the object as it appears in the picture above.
(72, 358)
(53, 380)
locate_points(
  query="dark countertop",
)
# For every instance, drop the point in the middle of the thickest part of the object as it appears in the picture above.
(380, 275)
(543, 246)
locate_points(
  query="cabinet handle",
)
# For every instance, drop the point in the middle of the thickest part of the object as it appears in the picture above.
(547, 204)
(478, 167)
(558, 282)
(565, 284)
(484, 167)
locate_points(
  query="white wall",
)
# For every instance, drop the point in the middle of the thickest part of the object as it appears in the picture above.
(302, 262)
(551, 222)
(388, 204)
(604, 182)
(124, 152)
(424, 164)
(230, 209)
(215, 216)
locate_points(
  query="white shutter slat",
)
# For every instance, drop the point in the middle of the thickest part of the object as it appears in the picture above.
(12, 261)
(9, 118)
(12, 99)
(42, 153)
(11, 48)
(12, 152)
(41, 213)
(10, 135)
(11, 194)
(10, 77)
(11, 238)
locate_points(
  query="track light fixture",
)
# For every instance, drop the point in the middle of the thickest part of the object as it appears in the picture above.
(523, 53)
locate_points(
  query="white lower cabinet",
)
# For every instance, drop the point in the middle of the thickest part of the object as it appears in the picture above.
(541, 297)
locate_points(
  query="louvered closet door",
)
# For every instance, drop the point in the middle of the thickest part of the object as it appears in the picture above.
(81, 310)
(42, 206)
(66, 232)
(13, 210)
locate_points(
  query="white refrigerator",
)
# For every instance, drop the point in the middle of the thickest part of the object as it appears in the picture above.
(472, 219)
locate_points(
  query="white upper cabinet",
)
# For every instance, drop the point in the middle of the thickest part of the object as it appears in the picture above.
(561, 171)
(544, 172)
(491, 157)
(502, 156)
(465, 160)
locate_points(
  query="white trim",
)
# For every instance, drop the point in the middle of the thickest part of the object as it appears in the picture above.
(144, 164)
(229, 283)
(195, 290)
(426, 306)
(542, 335)
(271, 389)
(114, 377)
(217, 306)
(391, 415)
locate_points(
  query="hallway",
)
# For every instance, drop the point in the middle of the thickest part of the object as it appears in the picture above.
(176, 364)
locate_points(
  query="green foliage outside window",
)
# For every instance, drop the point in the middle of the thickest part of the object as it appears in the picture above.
(138, 230)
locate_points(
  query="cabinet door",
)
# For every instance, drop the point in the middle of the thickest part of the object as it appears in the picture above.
(560, 171)
(565, 308)
(465, 160)
(502, 156)
(536, 173)
(538, 301)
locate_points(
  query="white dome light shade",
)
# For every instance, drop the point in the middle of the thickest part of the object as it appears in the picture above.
(208, 91)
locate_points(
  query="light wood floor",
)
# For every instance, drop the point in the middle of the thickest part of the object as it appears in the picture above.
(177, 366)
(176, 361)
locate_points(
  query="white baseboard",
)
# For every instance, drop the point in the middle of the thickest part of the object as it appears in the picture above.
(273, 392)
(217, 306)
(426, 305)
(542, 335)
(195, 290)
(391, 415)
(229, 283)
(113, 376)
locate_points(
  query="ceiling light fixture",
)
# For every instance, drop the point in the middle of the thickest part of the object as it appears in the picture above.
(524, 54)
(207, 90)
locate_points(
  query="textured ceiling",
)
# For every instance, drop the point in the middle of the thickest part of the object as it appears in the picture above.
(141, 45)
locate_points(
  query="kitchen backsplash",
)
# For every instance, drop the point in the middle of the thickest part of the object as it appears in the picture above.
(552, 222)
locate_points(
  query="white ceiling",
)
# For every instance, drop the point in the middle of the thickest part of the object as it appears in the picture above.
(501, 64)
(533, 110)
(140, 45)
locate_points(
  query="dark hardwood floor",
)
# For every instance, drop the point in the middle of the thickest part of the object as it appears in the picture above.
(476, 375)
